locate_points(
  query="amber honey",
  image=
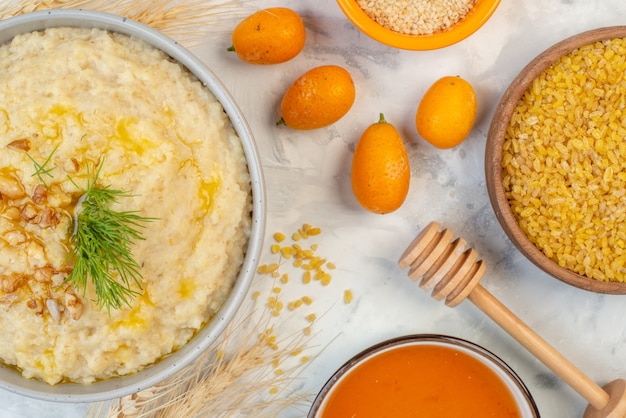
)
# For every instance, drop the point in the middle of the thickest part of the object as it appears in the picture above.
(420, 380)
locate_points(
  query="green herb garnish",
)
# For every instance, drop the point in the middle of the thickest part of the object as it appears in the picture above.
(43, 169)
(102, 246)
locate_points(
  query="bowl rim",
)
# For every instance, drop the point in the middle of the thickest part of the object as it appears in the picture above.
(116, 387)
(493, 158)
(474, 20)
(476, 351)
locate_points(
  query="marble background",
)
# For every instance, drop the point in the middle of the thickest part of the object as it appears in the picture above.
(308, 181)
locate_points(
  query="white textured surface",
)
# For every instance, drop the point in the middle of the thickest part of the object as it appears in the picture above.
(308, 179)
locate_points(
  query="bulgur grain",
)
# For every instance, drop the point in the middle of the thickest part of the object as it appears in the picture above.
(564, 161)
(416, 17)
(286, 252)
(347, 296)
(312, 266)
(267, 268)
(279, 237)
(326, 278)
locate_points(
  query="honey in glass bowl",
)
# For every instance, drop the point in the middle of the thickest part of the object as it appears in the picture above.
(425, 376)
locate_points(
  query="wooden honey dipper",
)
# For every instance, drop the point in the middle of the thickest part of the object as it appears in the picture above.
(453, 272)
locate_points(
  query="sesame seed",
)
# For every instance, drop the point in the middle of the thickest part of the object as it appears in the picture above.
(416, 17)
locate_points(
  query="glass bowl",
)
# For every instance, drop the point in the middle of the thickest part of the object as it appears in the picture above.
(452, 363)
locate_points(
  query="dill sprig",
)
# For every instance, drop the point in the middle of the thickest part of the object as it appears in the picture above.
(102, 246)
(43, 169)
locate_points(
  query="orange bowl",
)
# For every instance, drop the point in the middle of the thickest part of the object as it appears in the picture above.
(477, 16)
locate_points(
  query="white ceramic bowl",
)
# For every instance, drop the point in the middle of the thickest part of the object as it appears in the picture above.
(10, 379)
(522, 397)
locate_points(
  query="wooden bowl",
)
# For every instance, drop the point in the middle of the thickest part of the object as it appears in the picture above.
(494, 151)
(480, 13)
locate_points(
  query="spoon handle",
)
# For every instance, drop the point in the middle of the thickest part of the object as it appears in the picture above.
(562, 367)
(453, 272)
